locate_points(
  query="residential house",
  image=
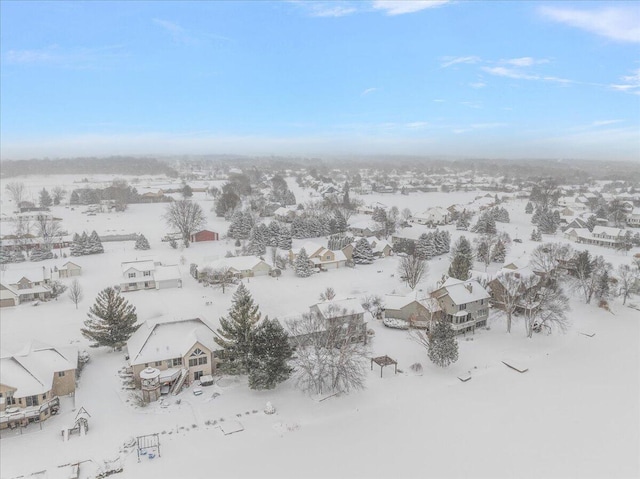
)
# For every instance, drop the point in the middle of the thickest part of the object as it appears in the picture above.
(432, 216)
(320, 257)
(418, 312)
(204, 235)
(633, 218)
(69, 270)
(465, 304)
(8, 296)
(366, 228)
(600, 236)
(343, 311)
(380, 248)
(576, 222)
(149, 273)
(32, 380)
(29, 285)
(239, 266)
(496, 285)
(183, 350)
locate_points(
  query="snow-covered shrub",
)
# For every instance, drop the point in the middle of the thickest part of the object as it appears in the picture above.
(395, 323)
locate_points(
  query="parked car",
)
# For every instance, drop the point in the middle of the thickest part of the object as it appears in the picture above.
(197, 391)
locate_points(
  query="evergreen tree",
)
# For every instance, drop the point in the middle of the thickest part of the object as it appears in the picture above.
(270, 355)
(535, 219)
(421, 246)
(547, 224)
(235, 333)
(462, 223)
(94, 243)
(482, 251)
(74, 199)
(18, 257)
(111, 320)
(536, 235)
(142, 243)
(302, 265)
(462, 259)
(362, 252)
(591, 222)
(341, 222)
(486, 223)
(5, 256)
(77, 246)
(443, 347)
(273, 233)
(40, 254)
(603, 286)
(499, 252)
(45, 198)
(289, 198)
(284, 239)
(529, 208)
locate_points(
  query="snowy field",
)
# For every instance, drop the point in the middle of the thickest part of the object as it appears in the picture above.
(575, 413)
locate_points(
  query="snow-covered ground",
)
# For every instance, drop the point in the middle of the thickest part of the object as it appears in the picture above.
(574, 413)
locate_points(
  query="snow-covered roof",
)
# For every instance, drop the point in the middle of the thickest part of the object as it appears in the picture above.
(164, 273)
(141, 265)
(239, 263)
(364, 224)
(463, 292)
(157, 341)
(394, 301)
(607, 230)
(31, 370)
(310, 247)
(34, 274)
(339, 308)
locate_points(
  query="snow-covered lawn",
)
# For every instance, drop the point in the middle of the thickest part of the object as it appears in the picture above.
(574, 413)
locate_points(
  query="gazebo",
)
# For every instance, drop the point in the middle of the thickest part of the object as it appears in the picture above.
(383, 361)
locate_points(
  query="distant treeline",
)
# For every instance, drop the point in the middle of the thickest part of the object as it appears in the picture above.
(121, 165)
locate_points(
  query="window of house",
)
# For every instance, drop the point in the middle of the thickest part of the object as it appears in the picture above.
(31, 400)
(177, 361)
(158, 363)
(146, 365)
(60, 374)
(132, 285)
(197, 375)
(193, 362)
(202, 360)
(146, 284)
(147, 273)
(44, 396)
(132, 275)
(10, 399)
(462, 306)
(197, 352)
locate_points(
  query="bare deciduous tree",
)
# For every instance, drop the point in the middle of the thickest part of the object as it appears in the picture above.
(58, 193)
(329, 353)
(545, 257)
(544, 307)
(627, 277)
(48, 228)
(412, 270)
(328, 294)
(374, 305)
(509, 295)
(17, 191)
(220, 278)
(75, 292)
(185, 216)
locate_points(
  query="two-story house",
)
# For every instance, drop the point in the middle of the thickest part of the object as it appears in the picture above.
(600, 236)
(343, 312)
(432, 216)
(183, 350)
(32, 285)
(465, 304)
(32, 380)
(149, 273)
(633, 218)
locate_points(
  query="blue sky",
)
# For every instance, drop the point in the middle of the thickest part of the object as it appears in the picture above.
(474, 79)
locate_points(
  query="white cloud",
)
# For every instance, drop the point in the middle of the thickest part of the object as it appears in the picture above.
(401, 7)
(522, 75)
(616, 23)
(450, 61)
(368, 91)
(331, 10)
(478, 84)
(177, 33)
(629, 83)
(76, 58)
(523, 61)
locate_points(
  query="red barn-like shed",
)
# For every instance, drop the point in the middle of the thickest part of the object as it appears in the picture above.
(204, 235)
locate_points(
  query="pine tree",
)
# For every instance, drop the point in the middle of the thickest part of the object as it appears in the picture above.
(40, 254)
(273, 232)
(482, 252)
(536, 235)
(5, 256)
(547, 223)
(77, 248)
(591, 222)
(270, 355)
(284, 239)
(499, 252)
(94, 243)
(443, 347)
(111, 320)
(529, 208)
(235, 333)
(421, 246)
(462, 259)
(341, 222)
(302, 265)
(362, 252)
(603, 286)
(74, 199)
(142, 243)
(18, 257)
(45, 198)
